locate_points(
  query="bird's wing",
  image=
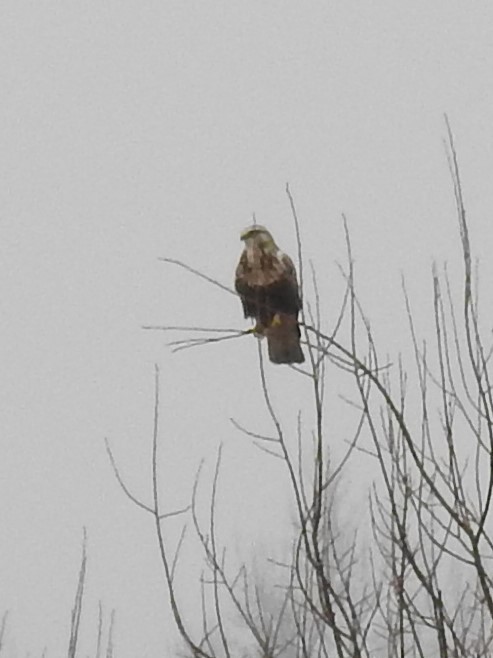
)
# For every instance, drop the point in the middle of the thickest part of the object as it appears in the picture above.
(289, 275)
(241, 284)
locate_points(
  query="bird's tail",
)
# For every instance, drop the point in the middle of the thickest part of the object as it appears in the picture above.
(283, 339)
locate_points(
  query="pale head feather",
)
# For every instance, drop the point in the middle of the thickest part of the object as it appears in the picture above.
(257, 236)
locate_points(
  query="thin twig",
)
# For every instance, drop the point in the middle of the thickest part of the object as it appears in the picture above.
(192, 270)
(128, 493)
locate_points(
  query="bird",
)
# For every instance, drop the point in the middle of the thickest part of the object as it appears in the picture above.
(266, 282)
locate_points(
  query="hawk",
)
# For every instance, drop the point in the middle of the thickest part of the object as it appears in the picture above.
(267, 285)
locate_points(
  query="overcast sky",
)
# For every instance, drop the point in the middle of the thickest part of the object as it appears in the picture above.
(134, 130)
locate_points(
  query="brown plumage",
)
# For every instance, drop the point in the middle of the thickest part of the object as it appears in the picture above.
(267, 285)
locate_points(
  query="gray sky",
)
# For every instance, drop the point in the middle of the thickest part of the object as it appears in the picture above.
(134, 130)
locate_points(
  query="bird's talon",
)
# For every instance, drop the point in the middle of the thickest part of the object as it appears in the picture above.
(258, 330)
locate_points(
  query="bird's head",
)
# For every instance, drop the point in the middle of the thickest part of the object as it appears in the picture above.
(257, 236)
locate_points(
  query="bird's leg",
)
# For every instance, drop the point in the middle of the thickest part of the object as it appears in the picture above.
(276, 320)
